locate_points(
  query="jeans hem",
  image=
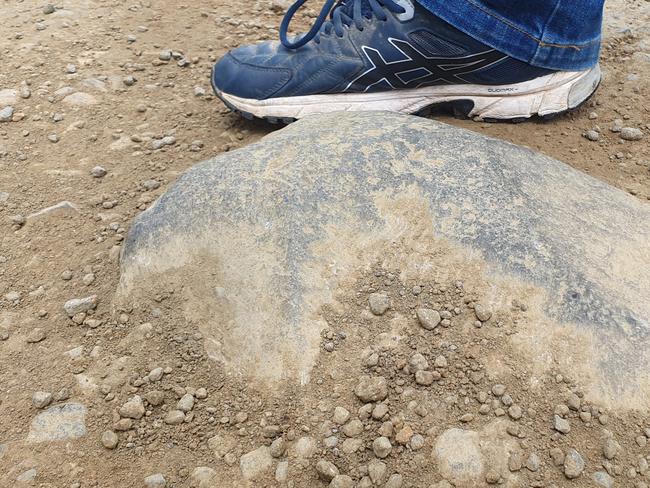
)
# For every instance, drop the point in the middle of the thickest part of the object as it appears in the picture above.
(499, 33)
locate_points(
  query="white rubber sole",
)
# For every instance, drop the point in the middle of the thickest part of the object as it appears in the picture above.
(544, 96)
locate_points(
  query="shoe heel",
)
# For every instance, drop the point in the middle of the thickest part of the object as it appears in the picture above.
(547, 103)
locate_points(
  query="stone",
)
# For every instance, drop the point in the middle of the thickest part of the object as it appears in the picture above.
(326, 470)
(515, 412)
(515, 461)
(304, 448)
(203, 477)
(533, 463)
(574, 465)
(27, 476)
(381, 446)
(278, 447)
(561, 425)
(379, 303)
(371, 389)
(404, 435)
(424, 378)
(6, 114)
(342, 481)
(133, 409)
(379, 411)
(429, 319)
(110, 439)
(59, 423)
(256, 464)
(341, 416)
(282, 471)
(378, 472)
(80, 305)
(610, 448)
(418, 362)
(602, 479)
(98, 172)
(155, 481)
(155, 398)
(482, 312)
(458, 457)
(123, 425)
(394, 481)
(41, 399)
(417, 442)
(631, 134)
(353, 428)
(186, 403)
(280, 255)
(174, 417)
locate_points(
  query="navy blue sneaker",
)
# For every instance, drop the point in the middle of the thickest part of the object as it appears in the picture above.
(363, 55)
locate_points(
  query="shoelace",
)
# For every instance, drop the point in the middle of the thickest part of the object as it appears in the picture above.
(339, 19)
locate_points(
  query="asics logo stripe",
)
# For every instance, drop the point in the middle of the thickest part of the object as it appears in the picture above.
(433, 70)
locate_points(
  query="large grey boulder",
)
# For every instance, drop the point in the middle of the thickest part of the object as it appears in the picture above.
(258, 239)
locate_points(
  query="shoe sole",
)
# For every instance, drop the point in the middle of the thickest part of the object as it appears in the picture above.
(546, 97)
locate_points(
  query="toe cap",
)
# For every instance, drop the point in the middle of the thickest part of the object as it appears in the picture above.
(243, 73)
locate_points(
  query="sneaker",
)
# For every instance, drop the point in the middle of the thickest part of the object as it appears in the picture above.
(391, 55)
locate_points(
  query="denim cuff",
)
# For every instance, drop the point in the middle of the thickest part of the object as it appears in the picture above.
(548, 50)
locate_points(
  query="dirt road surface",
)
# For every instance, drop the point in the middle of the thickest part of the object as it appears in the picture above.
(102, 105)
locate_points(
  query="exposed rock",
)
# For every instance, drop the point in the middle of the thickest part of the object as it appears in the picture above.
(328, 186)
(58, 423)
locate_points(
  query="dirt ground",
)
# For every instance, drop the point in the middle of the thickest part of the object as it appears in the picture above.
(88, 88)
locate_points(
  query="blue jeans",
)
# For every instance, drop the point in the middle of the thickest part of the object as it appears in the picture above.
(553, 34)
